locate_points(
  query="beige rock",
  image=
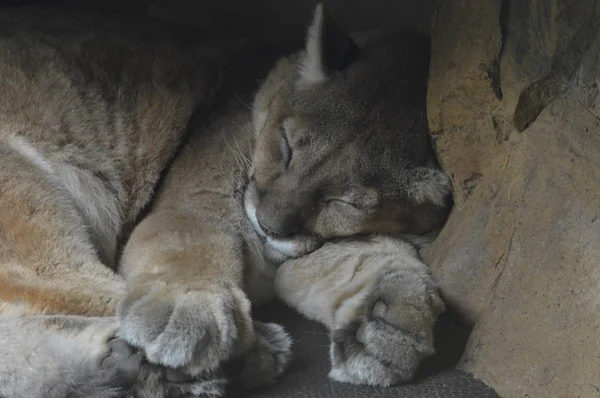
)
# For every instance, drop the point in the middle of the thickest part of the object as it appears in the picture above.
(514, 107)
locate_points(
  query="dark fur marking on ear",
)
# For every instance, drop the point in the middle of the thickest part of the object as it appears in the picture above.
(337, 48)
(328, 49)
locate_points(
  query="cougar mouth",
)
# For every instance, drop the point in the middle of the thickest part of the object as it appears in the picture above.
(278, 249)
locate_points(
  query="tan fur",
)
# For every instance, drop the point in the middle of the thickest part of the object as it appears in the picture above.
(90, 122)
(71, 163)
(377, 288)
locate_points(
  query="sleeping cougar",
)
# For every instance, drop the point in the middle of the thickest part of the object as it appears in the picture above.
(119, 132)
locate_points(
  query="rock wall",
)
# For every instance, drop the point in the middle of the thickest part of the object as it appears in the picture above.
(514, 109)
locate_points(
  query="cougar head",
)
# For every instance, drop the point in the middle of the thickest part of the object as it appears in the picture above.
(342, 145)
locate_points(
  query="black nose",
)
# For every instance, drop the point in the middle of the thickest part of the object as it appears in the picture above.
(278, 224)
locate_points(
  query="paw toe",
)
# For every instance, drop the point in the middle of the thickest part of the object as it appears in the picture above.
(402, 350)
(159, 382)
(123, 361)
(269, 356)
(361, 368)
(175, 347)
(375, 353)
(143, 318)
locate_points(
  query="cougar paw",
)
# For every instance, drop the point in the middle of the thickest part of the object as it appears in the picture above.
(190, 330)
(138, 378)
(125, 360)
(391, 335)
(268, 357)
(158, 382)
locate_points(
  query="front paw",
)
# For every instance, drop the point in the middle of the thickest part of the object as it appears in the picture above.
(190, 330)
(389, 337)
(137, 378)
(269, 356)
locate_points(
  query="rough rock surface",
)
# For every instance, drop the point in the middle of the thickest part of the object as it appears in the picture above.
(514, 109)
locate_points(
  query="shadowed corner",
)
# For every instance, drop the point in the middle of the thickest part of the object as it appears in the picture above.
(450, 339)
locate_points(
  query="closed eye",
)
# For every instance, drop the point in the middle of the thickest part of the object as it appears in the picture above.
(343, 202)
(284, 147)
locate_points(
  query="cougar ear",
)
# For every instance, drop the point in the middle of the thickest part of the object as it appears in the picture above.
(429, 185)
(328, 49)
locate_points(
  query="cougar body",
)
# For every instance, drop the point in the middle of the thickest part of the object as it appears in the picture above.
(150, 188)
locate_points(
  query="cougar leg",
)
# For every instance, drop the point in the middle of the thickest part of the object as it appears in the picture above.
(59, 356)
(52, 287)
(48, 261)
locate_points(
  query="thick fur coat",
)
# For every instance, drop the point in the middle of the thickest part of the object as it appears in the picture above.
(148, 197)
